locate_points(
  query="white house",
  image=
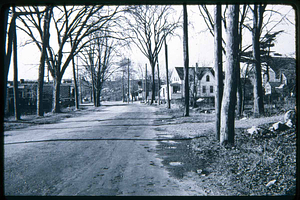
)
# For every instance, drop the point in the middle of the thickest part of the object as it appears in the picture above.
(204, 80)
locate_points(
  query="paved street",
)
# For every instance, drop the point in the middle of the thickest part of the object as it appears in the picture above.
(109, 151)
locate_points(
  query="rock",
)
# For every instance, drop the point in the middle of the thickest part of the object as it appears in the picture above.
(270, 183)
(254, 130)
(290, 123)
(279, 126)
(199, 171)
(290, 115)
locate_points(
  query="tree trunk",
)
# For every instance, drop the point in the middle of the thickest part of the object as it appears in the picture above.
(258, 106)
(238, 74)
(186, 60)
(93, 84)
(76, 96)
(239, 90)
(40, 87)
(56, 95)
(229, 95)
(158, 83)
(16, 93)
(97, 97)
(75, 85)
(153, 82)
(167, 74)
(218, 68)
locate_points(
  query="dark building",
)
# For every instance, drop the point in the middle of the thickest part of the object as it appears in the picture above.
(27, 91)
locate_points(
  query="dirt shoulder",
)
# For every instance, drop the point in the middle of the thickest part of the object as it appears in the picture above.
(261, 164)
(49, 118)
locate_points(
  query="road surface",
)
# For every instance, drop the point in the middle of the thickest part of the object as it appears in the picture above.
(109, 151)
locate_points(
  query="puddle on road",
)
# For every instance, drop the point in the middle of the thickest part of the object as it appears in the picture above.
(170, 142)
(165, 135)
(179, 158)
(175, 163)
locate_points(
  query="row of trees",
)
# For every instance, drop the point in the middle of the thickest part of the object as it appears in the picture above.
(228, 97)
(94, 33)
(75, 30)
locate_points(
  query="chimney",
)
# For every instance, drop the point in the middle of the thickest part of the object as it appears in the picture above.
(196, 65)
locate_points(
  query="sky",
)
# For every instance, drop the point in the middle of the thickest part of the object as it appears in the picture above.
(200, 45)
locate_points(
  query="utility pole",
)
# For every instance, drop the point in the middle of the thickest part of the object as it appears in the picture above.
(123, 89)
(146, 85)
(15, 67)
(48, 73)
(128, 83)
(158, 83)
(167, 73)
(186, 60)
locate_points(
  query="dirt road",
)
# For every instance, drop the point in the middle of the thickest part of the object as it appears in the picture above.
(110, 151)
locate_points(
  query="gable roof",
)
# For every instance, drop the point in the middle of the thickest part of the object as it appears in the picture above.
(274, 84)
(284, 65)
(201, 71)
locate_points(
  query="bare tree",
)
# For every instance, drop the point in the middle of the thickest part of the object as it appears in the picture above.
(45, 42)
(75, 81)
(204, 12)
(10, 27)
(238, 71)
(229, 95)
(98, 61)
(150, 26)
(75, 21)
(218, 66)
(258, 105)
(42, 41)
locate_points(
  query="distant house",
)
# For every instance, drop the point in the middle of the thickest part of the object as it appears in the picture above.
(202, 77)
(282, 76)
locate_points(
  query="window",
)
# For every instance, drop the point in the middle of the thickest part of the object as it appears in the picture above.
(203, 89)
(176, 89)
(207, 78)
(211, 89)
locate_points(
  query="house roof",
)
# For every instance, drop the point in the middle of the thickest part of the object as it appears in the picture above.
(274, 84)
(200, 71)
(203, 70)
(284, 65)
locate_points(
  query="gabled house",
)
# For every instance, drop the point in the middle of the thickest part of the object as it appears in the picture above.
(202, 77)
(206, 82)
(282, 76)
